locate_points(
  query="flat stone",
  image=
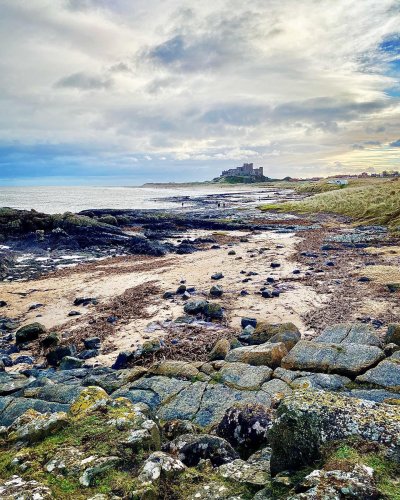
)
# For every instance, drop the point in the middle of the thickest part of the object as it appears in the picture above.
(15, 407)
(276, 388)
(185, 404)
(244, 376)
(13, 382)
(386, 374)
(343, 359)
(267, 354)
(265, 331)
(322, 381)
(349, 333)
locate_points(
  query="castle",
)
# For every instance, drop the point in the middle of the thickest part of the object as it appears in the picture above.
(247, 170)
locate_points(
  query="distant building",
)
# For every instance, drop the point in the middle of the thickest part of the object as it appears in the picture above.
(246, 170)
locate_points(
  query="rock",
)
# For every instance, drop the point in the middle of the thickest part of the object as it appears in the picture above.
(89, 400)
(6, 360)
(174, 428)
(181, 289)
(70, 363)
(88, 354)
(18, 488)
(321, 381)
(393, 334)
(393, 287)
(160, 464)
(244, 376)
(343, 359)
(248, 321)
(309, 419)
(277, 389)
(168, 295)
(11, 408)
(191, 448)
(74, 313)
(358, 482)
(98, 467)
(385, 374)
(3, 303)
(177, 369)
(195, 307)
(216, 291)
(84, 301)
(349, 333)
(13, 382)
(50, 340)
(55, 356)
(220, 350)
(217, 276)
(28, 360)
(123, 360)
(290, 339)
(29, 332)
(275, 265)
(245, 426)
(231, 252)
(151, 346)
(256, 474)
(213, 311)
(186, 296)
(265, 331)
(390, 349)
(265, 354)
(33, 426)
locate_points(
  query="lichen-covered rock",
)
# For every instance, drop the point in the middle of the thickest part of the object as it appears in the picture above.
(259, 355)
(174, 428)
(17, 488)
(191, 448)
(385, 374)
(33, 426)
(90, 399)
(177, 369)
(71, 363)
(337, 484)
(349, 333)
(343, 359)
(322, 381)
(308, 419)
(160, 464)
(243, 472)
(244, 376)
(28, 333)
(277, 389)
(246, 426)
(263, 332)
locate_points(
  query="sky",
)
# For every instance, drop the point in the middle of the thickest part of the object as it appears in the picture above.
(121, 92)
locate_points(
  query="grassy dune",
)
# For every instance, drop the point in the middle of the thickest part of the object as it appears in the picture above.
(368, 202)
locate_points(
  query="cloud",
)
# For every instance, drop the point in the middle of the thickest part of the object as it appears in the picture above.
(395, 144)
(84, 81)
(298, 87)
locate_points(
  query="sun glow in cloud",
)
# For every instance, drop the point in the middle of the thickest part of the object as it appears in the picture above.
(177, 90)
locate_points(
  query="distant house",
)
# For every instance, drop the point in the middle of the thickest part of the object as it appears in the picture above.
(338, 182)
(246, 170)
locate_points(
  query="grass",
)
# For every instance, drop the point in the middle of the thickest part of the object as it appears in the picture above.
(366, 202)
(386, 472)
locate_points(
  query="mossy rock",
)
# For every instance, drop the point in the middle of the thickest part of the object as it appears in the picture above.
(28, 333)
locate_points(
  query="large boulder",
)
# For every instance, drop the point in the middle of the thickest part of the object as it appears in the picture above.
(386, 374)
(33, 426)
(349, 333)
(267, 354)
(177, 369)
(13, 382)
(246, 426)
(28, 333)
(191, 448)
(344, 359)
(309, 419)
(265, 331)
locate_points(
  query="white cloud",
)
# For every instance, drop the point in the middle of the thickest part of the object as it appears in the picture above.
(295, 85)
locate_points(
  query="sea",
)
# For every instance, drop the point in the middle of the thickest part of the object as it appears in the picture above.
(54, 200)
